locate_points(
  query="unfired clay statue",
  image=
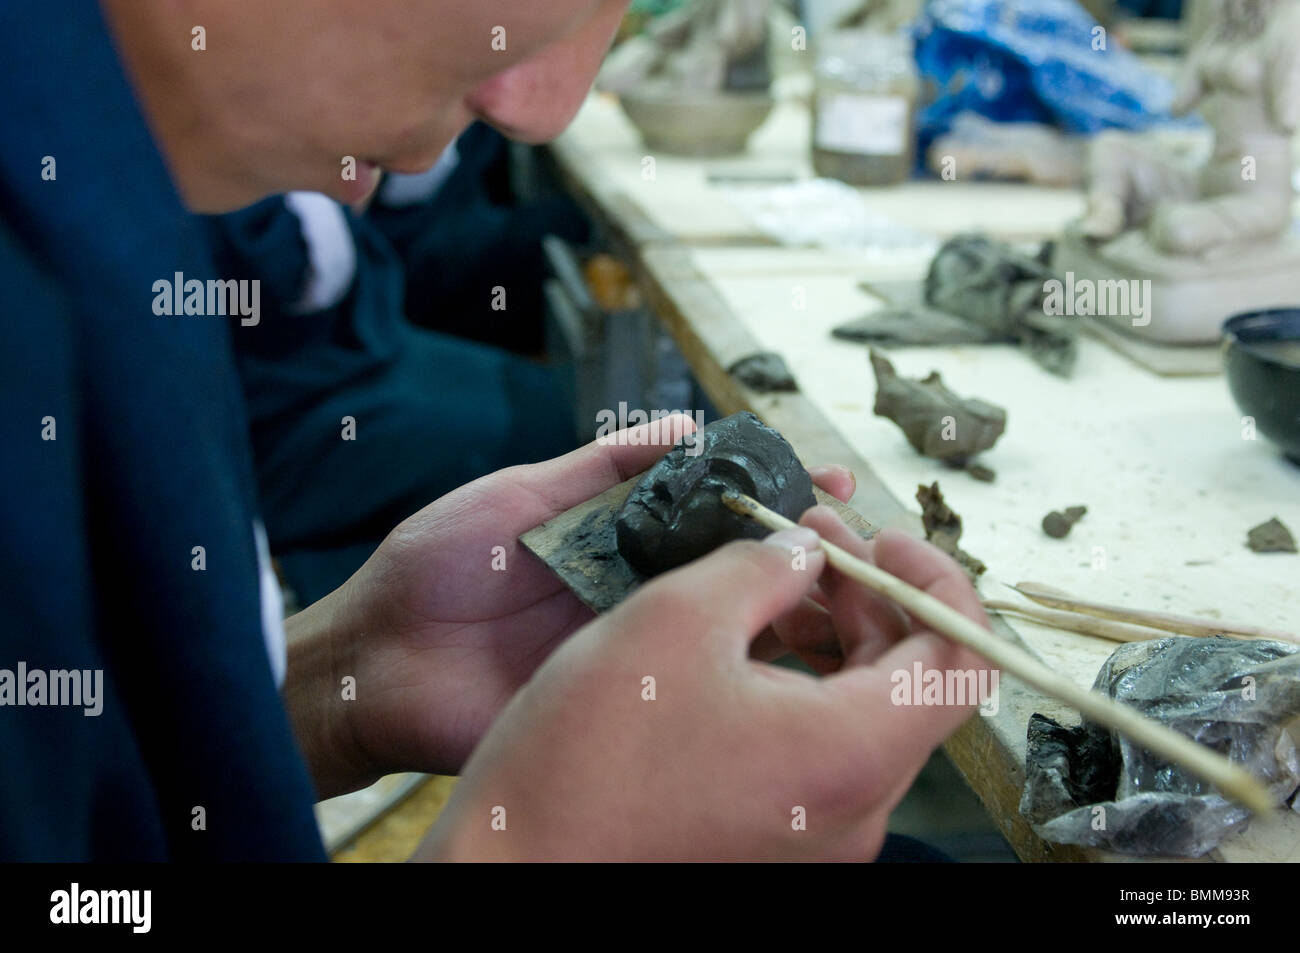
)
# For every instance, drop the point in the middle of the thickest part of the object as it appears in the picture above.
(675, 513)
(706, 45)
(1213, 239)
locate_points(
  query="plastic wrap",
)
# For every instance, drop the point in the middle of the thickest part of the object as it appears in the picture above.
(1086, 786)
(1032, 61)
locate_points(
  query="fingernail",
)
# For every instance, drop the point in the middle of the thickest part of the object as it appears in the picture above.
(788, 539)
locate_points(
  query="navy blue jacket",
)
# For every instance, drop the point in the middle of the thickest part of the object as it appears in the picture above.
(150, 459)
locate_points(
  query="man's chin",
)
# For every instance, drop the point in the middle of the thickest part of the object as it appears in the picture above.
(357, 190)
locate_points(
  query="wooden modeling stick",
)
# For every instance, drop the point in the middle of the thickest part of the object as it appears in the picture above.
(1230, 779)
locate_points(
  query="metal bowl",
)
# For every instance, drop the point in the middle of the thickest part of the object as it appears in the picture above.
(696, 123)
(1261, 357)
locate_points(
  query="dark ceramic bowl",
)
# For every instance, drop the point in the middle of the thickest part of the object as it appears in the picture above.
(1261, 358)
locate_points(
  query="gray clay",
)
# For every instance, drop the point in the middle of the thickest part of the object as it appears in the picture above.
(976, 291)
(897, 328)
(1271, 537)
(1057, 524)
(943, 528)
(675, 514)
(764, 372)
(936, 422)
(1001, 290)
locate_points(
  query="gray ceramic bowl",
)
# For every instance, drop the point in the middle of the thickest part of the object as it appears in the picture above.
(1261, 359)
(696, 123)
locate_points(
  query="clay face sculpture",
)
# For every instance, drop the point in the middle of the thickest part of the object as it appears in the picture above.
(675, 514)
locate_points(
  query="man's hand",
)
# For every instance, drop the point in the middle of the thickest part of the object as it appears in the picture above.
(655, 735)
(450, 617)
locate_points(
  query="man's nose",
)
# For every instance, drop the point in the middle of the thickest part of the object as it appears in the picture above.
(534, 100)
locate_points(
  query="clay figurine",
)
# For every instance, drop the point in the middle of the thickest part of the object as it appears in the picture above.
(1211, 238)
(936, 422)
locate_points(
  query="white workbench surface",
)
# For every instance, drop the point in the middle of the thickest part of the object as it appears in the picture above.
(605, 151)
(1171, 486)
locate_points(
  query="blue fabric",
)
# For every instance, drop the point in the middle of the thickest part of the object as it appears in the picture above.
(1034, 61)
(432, 412)
(475, 221)
(901, 849)
(97, 526)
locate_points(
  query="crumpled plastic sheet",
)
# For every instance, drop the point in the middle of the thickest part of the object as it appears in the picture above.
(1031, 61)
(826, 213)
(1086, 786)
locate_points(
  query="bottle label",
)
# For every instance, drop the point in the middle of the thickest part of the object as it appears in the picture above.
(862, 124)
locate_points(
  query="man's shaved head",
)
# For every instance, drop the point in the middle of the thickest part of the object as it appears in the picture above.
(294, 94)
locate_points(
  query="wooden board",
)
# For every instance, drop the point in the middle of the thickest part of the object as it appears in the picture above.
(342, 819)
(593, 569)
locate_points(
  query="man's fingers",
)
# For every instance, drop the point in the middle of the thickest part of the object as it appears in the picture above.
(867, 623)
(809, 632)
(927, 568)
(909, 721)
(837, 480)
(578, 476)
(736, 591)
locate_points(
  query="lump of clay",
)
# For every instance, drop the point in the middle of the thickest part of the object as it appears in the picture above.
(1002, 291)
(765, 372)
(1057, 524)
(943, 528)
(676, 514)
(936, 422)
(1271, 537)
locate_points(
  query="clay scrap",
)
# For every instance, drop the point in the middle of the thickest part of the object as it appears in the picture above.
(765, 372)
(1271, 537)
(1057, 524)
(976, 290)
(943, 528)
(896, 327)
(675, 514)
(936, 422)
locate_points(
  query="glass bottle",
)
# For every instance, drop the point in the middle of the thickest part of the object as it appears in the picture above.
(864, 107)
